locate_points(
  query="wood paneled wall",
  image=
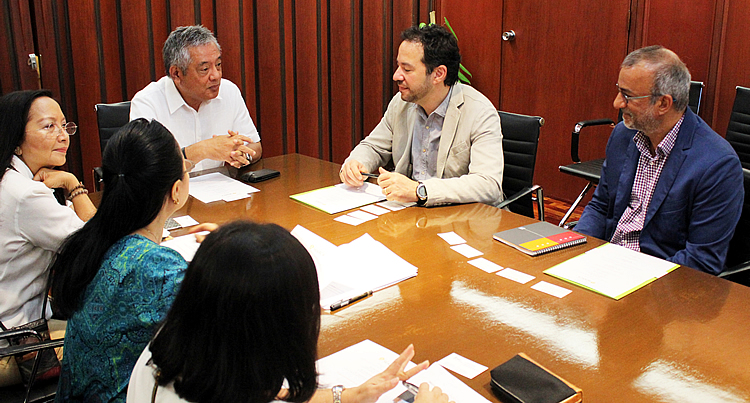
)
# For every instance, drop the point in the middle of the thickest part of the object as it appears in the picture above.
(316, 75)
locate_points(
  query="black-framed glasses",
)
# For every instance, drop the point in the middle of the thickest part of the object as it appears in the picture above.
(54, 130)
(629, 98)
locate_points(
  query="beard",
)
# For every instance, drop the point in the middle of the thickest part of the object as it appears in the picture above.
(645, 123)
(415, 94)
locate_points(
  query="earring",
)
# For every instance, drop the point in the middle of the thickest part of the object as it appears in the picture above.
(18, 151)
(176, 201)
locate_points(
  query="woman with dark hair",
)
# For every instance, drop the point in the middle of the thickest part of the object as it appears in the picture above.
(112, 280)
(246, 320)
(34, 138)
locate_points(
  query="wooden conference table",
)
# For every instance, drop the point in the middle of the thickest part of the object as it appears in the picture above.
(682, 338)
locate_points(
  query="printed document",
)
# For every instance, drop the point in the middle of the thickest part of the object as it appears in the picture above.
(215, 186)
(354, 268)
(356, 364)
(612, 270)
(341, 197)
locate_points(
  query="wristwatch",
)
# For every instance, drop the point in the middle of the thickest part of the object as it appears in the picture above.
(337, 391)
(421, 194)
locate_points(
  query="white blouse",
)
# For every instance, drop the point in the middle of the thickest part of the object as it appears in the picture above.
(142, 382)
(32, 227)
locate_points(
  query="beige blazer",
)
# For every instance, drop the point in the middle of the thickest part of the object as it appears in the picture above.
(470, 155)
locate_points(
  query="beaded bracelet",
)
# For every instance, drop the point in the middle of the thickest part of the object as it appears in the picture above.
(79, 191)
(78, 186)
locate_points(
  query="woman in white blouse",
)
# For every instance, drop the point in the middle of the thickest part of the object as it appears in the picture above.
(34, 138)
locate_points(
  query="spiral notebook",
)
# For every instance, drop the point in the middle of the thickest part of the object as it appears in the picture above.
(538, 238)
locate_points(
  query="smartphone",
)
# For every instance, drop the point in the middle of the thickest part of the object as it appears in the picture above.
(259, 175)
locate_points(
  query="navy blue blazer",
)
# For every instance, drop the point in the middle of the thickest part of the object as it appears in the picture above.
(696, 203)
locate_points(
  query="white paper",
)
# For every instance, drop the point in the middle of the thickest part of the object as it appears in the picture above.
(373, 209)
(456, 390)
(185, 221)
(215, 186)
(516, 275)
(452, 238)
(338, 198)
(467, 250)
(612, 269)
(185, 245)
(356, 364)
(362, 215)
(462, 365)
(347, 219)
(394, 205)
(485, 265)
(351, 269)
(551, 289)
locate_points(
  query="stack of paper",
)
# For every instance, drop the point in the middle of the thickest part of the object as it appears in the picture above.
(354, 365)
(352, 269)
(338, 198)
(215, 186)
(612, 270)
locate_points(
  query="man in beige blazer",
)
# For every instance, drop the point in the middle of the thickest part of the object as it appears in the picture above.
(443, 137)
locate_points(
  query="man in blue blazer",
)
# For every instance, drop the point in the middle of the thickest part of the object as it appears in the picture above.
(670, 186)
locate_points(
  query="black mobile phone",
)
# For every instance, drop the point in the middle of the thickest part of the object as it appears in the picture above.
(259, 175)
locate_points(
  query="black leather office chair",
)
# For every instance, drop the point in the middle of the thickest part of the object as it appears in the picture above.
(109, 119)
(36, 392)
(592, 170)
(738, 131)
(738, 257)
(520, 141)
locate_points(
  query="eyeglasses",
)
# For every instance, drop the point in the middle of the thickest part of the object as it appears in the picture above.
(629, 98)
(55, 130)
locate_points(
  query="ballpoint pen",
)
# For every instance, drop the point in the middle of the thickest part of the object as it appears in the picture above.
(345, 302)
(369, 175)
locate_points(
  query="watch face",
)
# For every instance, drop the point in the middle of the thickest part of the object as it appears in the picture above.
(421, 191)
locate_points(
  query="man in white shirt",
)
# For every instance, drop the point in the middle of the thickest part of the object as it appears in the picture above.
(206, 113)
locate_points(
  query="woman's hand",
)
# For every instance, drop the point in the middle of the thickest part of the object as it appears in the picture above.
(207, 226)
(370, 391)
(426, 395)
(55, 179)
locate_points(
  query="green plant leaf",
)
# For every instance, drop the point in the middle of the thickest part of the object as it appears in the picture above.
(461, 66)
(447, 24)
(422, 25)
(463, 79)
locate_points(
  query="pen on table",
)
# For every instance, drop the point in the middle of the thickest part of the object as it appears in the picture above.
(345, 302)
(369, 175)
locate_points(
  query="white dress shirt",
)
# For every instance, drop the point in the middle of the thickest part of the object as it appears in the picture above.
(162, 101)
(32, 227)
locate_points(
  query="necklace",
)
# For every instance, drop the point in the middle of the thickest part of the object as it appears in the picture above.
(155, 238)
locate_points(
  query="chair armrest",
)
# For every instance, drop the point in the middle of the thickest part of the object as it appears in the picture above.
(577, 130)
(523, 192)
(98, 178)
(29, 348)
(7, 334)
(739, 273)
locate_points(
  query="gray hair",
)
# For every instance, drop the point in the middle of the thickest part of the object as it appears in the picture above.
(175, 50)
(671, 75)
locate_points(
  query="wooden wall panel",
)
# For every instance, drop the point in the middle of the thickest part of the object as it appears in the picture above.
(87, 73)
(309, 75)
(19, 31)
(377, 69)
(181, 13)
(109, 27)
(249, 60)
(138, 66)
(480, 48)
(342, 97)
(288, 77)
(733, 61)
(270, 107)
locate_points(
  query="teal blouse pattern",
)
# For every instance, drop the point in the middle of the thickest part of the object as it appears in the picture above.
(121, 308)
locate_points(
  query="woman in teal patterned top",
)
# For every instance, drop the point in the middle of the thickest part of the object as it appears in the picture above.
(112, 280)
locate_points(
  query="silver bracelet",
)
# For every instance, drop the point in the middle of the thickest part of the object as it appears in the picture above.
(337, 391)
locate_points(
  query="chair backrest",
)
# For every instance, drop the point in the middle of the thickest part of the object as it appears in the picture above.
(739, 246)
(738, 131)
(110, 118)
(696, 93)
(520, 141)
